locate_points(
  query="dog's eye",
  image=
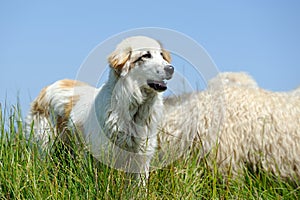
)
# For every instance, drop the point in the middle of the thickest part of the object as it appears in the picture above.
(147, 55)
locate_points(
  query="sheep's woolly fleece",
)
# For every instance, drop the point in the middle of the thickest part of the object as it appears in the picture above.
(236, 124)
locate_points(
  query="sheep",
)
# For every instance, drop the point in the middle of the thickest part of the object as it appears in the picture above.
(236, 124)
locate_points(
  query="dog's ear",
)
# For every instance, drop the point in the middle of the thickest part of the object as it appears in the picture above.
(119, 61)
(166, 55)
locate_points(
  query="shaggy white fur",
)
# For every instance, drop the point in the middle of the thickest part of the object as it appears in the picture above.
(117, 122)
(232, 78)
(295, 92)
(235, 126)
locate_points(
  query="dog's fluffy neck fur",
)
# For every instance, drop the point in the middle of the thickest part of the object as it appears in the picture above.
(139, 108)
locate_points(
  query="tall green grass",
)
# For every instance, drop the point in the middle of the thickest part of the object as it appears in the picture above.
(26, 174)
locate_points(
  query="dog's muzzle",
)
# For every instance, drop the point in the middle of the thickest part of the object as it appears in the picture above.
(161, 86)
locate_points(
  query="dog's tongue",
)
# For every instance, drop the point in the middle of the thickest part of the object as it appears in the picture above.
(157, 85)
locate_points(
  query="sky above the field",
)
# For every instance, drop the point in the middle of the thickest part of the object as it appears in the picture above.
(43, 41)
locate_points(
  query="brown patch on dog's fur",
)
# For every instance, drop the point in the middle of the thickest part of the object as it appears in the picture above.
(118, 59)
(70, 83)
(166, 55)
(40, 105)
(73, 99)
(69, 106)
(62, 121)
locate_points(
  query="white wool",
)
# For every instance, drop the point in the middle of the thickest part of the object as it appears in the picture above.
(245, 125)
(232, 78)
(295, 92)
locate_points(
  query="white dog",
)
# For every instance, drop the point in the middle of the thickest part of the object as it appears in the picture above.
(118, 122)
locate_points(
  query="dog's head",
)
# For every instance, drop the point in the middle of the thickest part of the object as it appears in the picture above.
(143, 59)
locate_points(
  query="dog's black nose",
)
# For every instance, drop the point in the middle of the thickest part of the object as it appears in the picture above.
(169, 69)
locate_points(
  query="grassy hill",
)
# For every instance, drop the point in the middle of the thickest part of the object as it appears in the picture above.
(27, 174)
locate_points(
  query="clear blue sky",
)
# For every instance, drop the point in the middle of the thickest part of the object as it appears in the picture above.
(43, 41)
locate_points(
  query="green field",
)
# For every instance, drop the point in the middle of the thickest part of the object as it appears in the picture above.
(26, 174)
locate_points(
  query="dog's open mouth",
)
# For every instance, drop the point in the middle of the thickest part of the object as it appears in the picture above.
(157, 85)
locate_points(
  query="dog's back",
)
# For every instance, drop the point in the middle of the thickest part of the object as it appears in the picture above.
(51, 112)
